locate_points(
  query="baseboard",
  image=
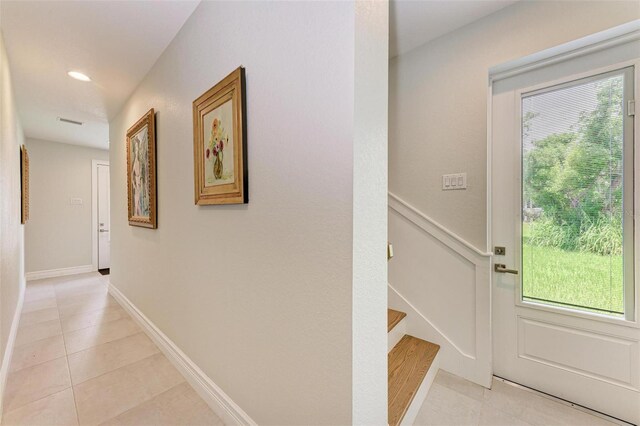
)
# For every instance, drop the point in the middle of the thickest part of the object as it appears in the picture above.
(215, 397)
(38, 275)
(8, 352)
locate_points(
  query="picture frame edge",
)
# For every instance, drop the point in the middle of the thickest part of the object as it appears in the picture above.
(241, 196)
(149, 119)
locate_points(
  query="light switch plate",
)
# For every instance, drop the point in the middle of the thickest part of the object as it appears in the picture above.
(75, 201)
(454, 181)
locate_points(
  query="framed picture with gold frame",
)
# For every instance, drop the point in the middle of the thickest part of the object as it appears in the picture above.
(141, 172)
(220, 143)
(24, 184)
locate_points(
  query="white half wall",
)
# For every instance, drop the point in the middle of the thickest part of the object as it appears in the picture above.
(58, 234)
(11, 231)
(261, 296)
(443, 287)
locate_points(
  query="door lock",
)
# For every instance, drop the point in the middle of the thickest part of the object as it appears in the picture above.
(499, 267)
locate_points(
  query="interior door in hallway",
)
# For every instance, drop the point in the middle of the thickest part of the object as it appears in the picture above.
(104, 238)
(564, 294)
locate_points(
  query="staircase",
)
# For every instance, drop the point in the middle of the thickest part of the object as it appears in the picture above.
(413, 364)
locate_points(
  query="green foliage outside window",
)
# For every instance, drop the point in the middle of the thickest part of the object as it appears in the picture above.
(574, 180)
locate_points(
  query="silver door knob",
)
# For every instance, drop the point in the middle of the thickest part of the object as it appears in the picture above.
(499, 267)
(104, 230)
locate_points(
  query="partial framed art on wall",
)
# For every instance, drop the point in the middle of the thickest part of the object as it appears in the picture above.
(220, 144)
(24, 185)
(141, 172)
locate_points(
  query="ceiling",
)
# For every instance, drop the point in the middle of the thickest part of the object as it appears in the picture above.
(413, 23)
(117, 42)
(114, 42)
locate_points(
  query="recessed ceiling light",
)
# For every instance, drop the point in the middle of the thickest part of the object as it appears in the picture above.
(78, 76)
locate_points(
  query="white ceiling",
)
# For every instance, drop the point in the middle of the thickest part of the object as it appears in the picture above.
(117, 42)
(413, 23)
(114, 42)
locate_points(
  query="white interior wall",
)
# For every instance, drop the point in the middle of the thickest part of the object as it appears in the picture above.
(261, 296)
(370, 213)
(58, 234)
(11, 231)
(437, 125)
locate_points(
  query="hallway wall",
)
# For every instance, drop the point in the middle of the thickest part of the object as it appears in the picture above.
(58, 234)
(11, 231)
(260, 296)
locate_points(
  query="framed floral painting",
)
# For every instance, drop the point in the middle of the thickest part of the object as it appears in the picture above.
(24, 185)
(220, 144)
(141, 172)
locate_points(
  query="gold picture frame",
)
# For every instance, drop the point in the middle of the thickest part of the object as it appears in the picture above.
(24, 185)
(220, 144)
(141, 172)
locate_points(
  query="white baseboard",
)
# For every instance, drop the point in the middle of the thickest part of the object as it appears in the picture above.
(8, 352)
(38, 275)
(215, 397)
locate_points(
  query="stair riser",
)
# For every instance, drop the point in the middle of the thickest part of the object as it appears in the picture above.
(421, 395)
(396, 334)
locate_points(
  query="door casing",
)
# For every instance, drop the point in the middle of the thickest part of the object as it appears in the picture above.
(626, 328)
(94, 210)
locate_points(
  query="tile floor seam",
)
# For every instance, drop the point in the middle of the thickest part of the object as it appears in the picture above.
(86, 312)
(106, 343)
(35, 365)
(73, 393)
(143, 402)
(36, 341)
(89, 347)
(31, 402)
(92, 325)
(21, 326)
(114, 370)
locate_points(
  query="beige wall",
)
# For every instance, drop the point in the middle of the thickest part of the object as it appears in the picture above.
(438, 102)
(261, 296)
(11, 231)
(58, 234)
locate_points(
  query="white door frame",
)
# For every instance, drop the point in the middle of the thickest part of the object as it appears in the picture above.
(588, 45)
(94, 210)
(605, 39)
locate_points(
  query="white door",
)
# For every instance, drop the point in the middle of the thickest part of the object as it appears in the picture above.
(104, 239)
(564, 298)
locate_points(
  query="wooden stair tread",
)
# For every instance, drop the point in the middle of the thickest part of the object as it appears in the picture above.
(409, 362)
(393, 318)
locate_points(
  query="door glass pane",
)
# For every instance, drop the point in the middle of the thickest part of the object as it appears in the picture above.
(572, 196)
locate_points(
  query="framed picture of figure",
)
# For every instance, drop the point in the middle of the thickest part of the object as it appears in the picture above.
(220, 144)
(141, 172)
(24, 185)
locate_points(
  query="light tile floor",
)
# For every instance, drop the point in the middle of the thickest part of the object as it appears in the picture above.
(80, 359)
(455, 401)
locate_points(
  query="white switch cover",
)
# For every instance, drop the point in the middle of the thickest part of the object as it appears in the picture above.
(75, 201)
(454, 181)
